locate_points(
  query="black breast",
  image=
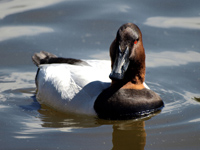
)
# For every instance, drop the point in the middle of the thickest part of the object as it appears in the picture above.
(127, 103)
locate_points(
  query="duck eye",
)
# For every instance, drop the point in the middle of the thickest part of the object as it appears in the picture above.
(135, 42)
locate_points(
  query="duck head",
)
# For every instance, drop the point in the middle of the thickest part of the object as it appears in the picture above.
(127, 97)
(128, 55)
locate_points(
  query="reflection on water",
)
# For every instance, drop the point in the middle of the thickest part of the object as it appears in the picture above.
(170, 22)
(65, 122)
(122, 8)
(127, 134)
(13, 82)
(18, 31)
(17, 6)
(171, 58)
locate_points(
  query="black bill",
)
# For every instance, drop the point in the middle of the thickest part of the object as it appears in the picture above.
(120, 65)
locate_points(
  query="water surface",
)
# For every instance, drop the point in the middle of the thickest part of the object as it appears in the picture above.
(85, 29)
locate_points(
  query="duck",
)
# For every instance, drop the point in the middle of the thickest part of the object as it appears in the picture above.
(112, 89)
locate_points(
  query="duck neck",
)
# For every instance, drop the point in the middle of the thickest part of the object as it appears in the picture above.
(136, 72)
(134, 76)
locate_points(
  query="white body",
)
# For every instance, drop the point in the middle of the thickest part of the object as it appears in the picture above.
(73, 88)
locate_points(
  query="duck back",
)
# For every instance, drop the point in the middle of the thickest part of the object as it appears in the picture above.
(72, 88)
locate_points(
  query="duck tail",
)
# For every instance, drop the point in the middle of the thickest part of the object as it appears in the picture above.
(42, 57)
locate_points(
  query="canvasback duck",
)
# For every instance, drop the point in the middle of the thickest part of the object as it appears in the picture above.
(84, 86)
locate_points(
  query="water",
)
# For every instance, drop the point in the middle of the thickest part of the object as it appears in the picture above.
(85, 29)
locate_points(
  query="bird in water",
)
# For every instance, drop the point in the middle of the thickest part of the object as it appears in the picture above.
(112, 89)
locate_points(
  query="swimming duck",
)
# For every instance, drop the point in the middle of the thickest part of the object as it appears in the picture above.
(84, 86)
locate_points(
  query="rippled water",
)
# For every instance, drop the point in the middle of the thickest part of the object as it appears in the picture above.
(85, 29)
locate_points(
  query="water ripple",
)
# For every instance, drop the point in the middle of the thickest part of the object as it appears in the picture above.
(17, 6)
(171, 22)
(10, 32)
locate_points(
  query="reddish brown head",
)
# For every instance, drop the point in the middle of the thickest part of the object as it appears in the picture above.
(128, 55)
